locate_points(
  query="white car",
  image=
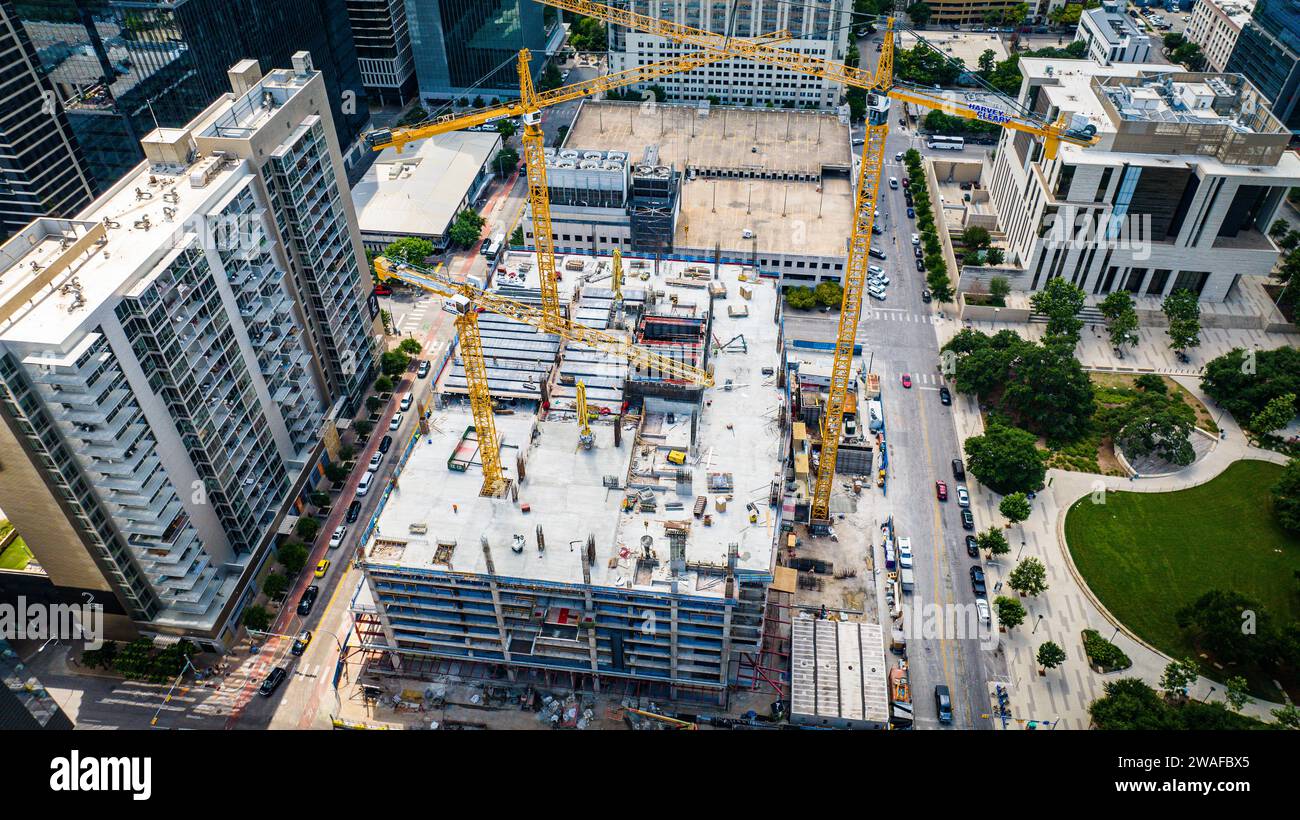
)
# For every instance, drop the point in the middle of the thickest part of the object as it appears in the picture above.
(916, 240)
(375, 461)
(982, 607)
(876, 293)
(905, 557)
(963, 497)
(337, 538)
(406, 403)
(881, 280)
(893, 183)
(396, 422)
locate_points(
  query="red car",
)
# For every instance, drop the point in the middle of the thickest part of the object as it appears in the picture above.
(907, 380)
(383, 290)
(941, 490)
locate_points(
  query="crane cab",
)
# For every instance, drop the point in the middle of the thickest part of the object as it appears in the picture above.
(877, 109)
(458, 305)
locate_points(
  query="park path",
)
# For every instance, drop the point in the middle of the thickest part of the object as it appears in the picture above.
(1069, 606)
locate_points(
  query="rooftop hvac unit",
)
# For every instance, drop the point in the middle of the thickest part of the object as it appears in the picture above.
(612, 166)
(548, 151)
(593, 155)
(569, 154)
(618, 156)
(566, 163)
(644, 170)
(663, 172)
(589, 164)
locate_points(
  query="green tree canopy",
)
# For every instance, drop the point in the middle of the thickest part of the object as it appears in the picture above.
(409, 249)
(1015, 507)
(1216, 620)
(1277, 414)
(1286, 496)
(465, 228)
(1244, 382)
(1060, 302)
(1029, 577)
(993, 542)
(1011, 613)
(1006, 459)
(1050, 655)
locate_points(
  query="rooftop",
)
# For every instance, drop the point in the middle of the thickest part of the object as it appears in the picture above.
(838, 672)
(418, 192)
(1113, 24)
(574, 493)
(793, 218)
(965, 46)
(788, 141)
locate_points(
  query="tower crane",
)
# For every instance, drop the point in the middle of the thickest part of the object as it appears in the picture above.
(528, 108)
(880, 89)
(465, 301)
(618, 278)
(585, 438)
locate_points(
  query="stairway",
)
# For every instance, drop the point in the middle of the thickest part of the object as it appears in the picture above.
(1087, 315)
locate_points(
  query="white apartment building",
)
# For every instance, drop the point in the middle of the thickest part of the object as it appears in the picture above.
(164, 377)
(1215, 25)
(1180, 191)
(1112, 36)
(820, 28)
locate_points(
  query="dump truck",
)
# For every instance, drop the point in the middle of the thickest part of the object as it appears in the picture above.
(900, 696)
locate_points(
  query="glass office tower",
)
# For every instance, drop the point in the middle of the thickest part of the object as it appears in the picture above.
(468, 47)
(1268, 53)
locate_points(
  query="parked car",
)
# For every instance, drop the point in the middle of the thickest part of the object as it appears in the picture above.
(972, 546)
(385, 443)
(943, 703)
(354, 511)
(301, 643)
(917, 252)
(945, 396)
(977, 581)
(916, 239)
(396, 422)
(322, 567)
(920, 266)
(967, 519)
(941, 490)
(423, 370)
(958, 470)
(904, 553)
(273, 681)
(876, 293)
(405, 403)
(308, 598)
(375, 460)
(963, 497)
(911, 213)
(925, 296)
(982, 607)
(340, 532)
(907, 380)
(383, 290)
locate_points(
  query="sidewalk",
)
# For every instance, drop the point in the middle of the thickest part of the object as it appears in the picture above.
(1068, 606)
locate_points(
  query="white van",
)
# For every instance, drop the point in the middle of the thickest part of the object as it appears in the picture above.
(363, 486)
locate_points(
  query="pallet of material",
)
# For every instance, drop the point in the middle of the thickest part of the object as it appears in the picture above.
(737, 311)
(701, 502)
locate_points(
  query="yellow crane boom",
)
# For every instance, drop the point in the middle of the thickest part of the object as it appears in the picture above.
(880, 89)
(1052, 133)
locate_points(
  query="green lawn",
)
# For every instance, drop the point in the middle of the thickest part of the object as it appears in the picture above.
(1145, 555)
(16, 556)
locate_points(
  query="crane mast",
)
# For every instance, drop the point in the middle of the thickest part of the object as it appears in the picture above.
(539, 201)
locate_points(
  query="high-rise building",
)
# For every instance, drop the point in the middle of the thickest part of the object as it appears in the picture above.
(383, 49)
(125, 67)
(469, 47)
(1215, 27)
(820, 28)
(168, 358)
(42, 169)
(1111, 35)
(1179, 192)
(1268, 53)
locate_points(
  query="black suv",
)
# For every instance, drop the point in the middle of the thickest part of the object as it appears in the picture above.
(308, 598)
(945, 396)
(958, 471)
(967, 520)
(385, 443)
(972, 547)
(354, 510)
(977, 581)
(273, 681)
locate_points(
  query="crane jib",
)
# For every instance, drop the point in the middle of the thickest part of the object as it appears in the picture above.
(988, 114)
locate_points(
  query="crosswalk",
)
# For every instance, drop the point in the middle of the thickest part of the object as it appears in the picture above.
(896, 315)
(414, 320)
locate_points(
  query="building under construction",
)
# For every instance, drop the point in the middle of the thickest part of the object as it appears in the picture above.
(645, 560)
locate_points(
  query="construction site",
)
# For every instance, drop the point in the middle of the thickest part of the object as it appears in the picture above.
(635, 547)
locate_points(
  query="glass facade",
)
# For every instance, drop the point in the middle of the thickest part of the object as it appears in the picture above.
(121, 67)
(1268, 54)
(468, 46)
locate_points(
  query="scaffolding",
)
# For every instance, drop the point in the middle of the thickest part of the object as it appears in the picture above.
(769, 668)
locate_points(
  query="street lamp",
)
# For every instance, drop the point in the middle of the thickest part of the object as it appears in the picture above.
(1036, 623)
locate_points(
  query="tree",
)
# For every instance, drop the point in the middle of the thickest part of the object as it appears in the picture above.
(410, 347)
(1006, 459)
(1288, 716)
(829, 294)
(1129, 703)
(393, 364)
(335, 472)
(363, 427)
(1060, 302)
(1244, 382)
(517, 237)
(1217, 622)
(940, 285)
(993, 542)
(1286, 496)
(257, 618)
(1184, 314)
(994, 256)
(275, 586)
(373, 403)
(1237, 691)
(507, 129)
(1011, 613)
(919, 12)
(587, 34)
(409, 249)
(1050, 392)
(293, 557)
(1014, 507)
(384, 384)
(550, 79)
(1121, 317)
(999, 289)
(1029, 577)
(1178, 676)
(987, 62)
(307, 528)
(1050, 655)
(1277, 414)
(1279, 229)
(320, 498)
(975, 238)
(801, 298)
(505, 160)
(1153, 424)
(465, 228)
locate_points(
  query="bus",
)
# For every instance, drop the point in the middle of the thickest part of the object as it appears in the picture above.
(945, 143)
(493, 246)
